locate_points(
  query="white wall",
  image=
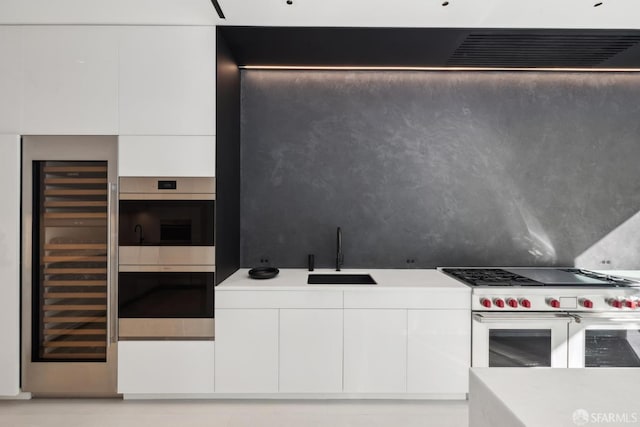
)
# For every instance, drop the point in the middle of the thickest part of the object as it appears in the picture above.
(9, 265)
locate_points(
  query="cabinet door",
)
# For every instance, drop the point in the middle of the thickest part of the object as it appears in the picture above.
(152, 367)
(70, 80)
(167, 156)
(10, 79)
(311, 351)
(439, 351)
(246, 350)
(375, 351)
(167, 81)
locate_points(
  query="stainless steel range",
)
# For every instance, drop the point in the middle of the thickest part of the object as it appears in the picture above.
(555, 317)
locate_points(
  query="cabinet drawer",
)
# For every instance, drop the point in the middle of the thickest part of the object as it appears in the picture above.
(278, 299)
(416, 299)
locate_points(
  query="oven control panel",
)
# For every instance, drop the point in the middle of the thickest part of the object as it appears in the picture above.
(504, 301)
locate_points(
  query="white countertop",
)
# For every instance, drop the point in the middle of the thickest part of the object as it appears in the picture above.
(296, 279)
(553, 397)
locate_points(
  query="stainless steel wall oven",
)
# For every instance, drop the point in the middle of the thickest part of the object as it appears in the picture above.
(167, 258)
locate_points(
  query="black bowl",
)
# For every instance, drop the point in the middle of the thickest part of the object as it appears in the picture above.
(263, 272)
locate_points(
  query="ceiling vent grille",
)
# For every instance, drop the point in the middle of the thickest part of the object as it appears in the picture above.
(539, 50)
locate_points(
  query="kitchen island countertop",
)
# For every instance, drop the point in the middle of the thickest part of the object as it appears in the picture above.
(551, 397)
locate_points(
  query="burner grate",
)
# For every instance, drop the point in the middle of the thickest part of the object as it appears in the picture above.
(490, 277)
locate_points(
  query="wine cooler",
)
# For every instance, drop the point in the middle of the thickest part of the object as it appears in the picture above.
(68, 258)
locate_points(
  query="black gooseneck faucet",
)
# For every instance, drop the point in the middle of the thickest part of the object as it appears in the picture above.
(339, 254)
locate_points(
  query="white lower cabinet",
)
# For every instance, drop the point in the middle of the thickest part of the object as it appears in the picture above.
(165, 367)
(312, 342)
(246, 350)
(311, 350)
(375, 351)
(439, 353)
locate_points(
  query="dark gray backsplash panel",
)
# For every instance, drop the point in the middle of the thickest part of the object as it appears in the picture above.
(447, 168)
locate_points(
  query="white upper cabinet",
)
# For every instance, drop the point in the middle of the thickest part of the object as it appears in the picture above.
(167, 81)
(10, 79)
(167, 156)
(70, 82)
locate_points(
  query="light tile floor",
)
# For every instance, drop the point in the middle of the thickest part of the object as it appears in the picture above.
(231, 413)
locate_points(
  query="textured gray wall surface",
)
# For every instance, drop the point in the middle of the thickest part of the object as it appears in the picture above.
(447, 168)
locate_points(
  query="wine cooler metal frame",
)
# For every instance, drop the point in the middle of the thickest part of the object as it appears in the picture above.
(73, 372)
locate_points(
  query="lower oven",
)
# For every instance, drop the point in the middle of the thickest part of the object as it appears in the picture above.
(519, 339)
(171, 302)
(599, 340)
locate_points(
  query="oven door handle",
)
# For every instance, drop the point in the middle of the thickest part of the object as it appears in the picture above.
(488, 318)
(626, 317)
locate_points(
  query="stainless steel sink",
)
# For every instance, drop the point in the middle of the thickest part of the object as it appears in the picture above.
(340, 279)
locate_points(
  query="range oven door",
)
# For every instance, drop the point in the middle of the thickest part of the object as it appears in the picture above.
(519, 340)
(604, 340)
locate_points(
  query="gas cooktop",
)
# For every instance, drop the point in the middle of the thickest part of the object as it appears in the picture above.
(534, 277)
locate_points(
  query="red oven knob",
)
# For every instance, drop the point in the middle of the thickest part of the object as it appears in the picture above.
(499, 302)
(632, 304)
(525, 303)
(616, 303)
(587, 303)
(513, 303)
(554, 303)
(486, 302)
